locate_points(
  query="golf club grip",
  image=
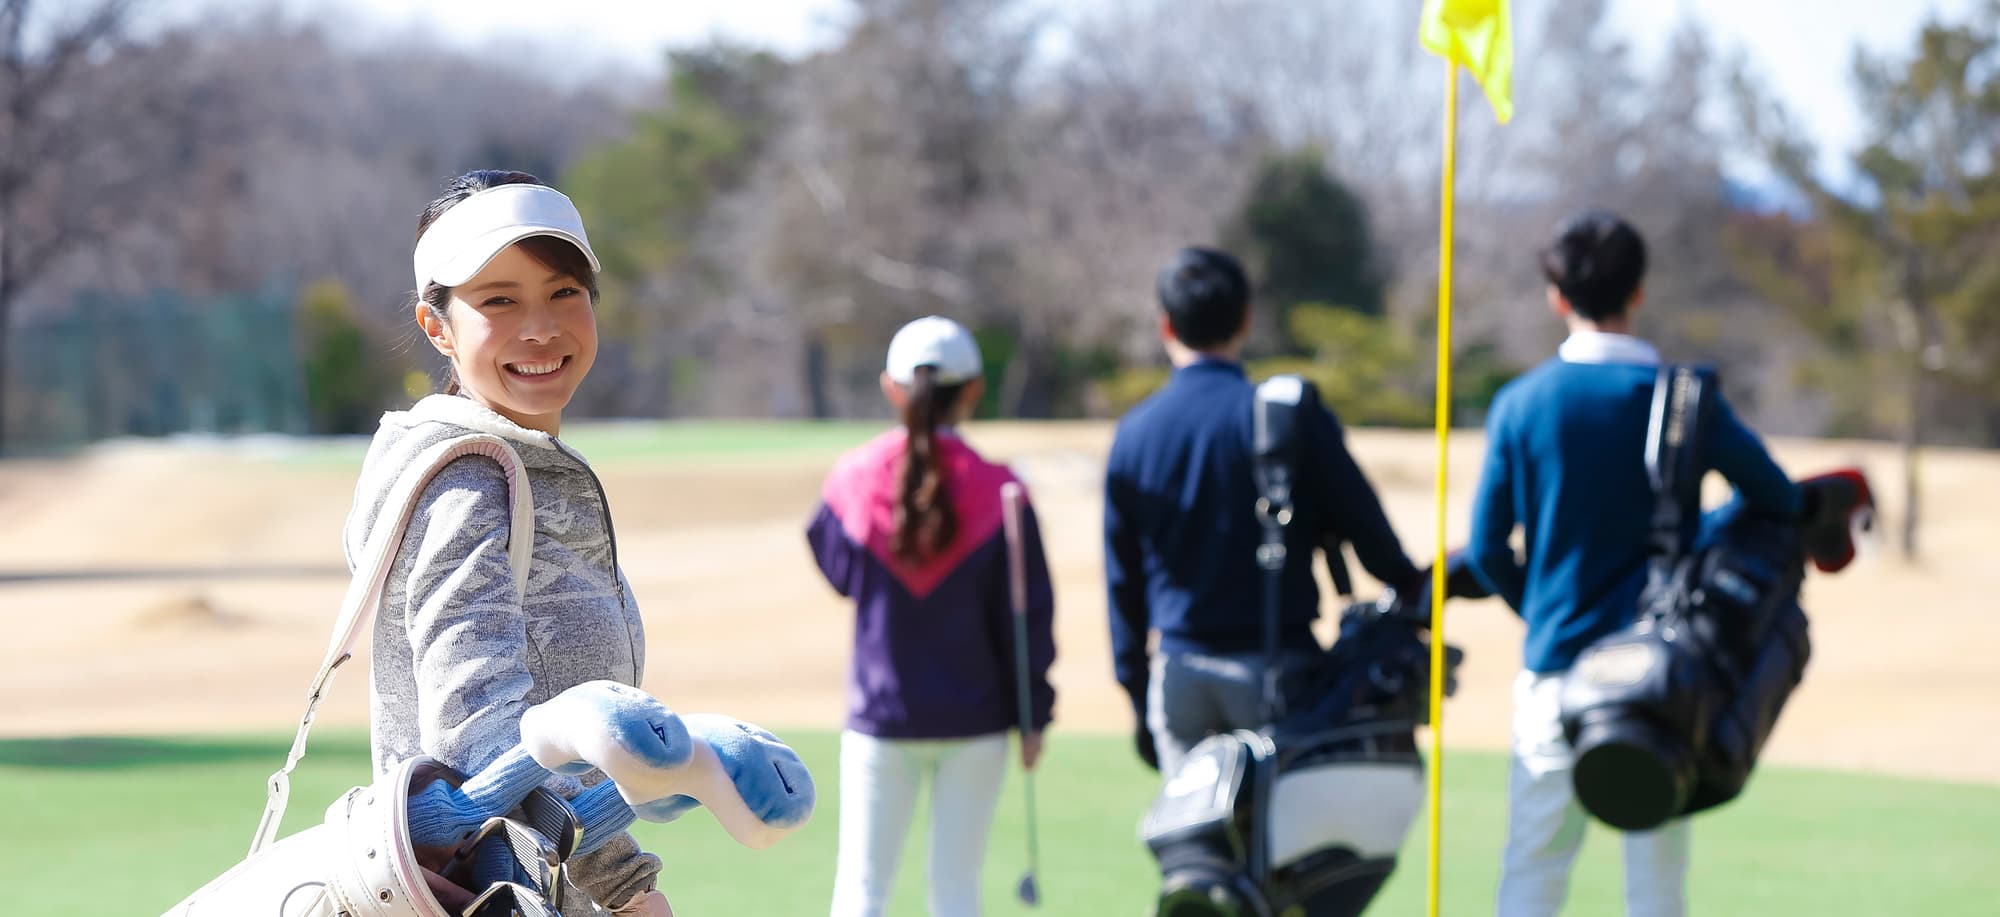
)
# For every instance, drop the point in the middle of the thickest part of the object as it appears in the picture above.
(1017, 566)
(1017, 583)
(1011, 499)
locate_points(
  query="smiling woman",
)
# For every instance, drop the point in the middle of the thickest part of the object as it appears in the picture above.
(506, 281)
(474, 626)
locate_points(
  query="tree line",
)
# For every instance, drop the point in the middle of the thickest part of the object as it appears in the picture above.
(766, 221)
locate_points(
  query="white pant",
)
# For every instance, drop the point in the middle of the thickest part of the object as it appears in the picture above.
(879, 779)
(1545, 824)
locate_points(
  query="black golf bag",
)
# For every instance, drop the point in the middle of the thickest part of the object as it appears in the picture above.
(1667, 716)
(1305, 815)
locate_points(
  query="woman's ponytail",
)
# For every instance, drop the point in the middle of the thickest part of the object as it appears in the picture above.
(925, 523)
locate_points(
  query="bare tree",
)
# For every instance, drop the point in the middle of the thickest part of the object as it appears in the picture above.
(220, 158)
(1110, 174)
(62, 173)
(1917, 232)
(332, 152)
(868, 207)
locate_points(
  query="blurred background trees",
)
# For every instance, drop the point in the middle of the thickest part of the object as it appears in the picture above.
(766, 221)
(1894, 279)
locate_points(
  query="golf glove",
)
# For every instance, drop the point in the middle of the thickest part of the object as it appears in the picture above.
(1149, 754)
(645, 904)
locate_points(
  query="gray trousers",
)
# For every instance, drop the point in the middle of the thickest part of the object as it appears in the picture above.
(1194, 695)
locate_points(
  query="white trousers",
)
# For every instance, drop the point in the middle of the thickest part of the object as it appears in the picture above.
(879, 779)
(1545, 824)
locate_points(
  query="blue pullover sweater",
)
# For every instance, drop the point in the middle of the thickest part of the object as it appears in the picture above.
(1565, 462)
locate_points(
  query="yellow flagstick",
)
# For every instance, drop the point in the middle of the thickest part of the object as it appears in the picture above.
(1478, 34)
(1443, 439)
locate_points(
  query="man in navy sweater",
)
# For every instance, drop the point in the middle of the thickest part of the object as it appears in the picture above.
(1565, 462)
(1181, 530)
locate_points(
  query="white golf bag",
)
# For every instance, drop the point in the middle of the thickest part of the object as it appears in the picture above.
(359, 862)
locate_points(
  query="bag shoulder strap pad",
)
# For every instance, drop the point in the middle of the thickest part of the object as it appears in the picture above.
(1276, 438)
(1279, 450)
(1683, 398)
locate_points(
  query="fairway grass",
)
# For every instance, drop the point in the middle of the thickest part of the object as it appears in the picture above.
(615, 441)
(130, 826)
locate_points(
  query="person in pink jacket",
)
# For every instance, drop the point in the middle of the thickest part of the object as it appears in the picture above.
(909, 527)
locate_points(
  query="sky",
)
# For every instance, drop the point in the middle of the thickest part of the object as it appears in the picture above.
(1803, 48)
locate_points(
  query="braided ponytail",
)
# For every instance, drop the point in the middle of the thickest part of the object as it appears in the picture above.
(925, 522)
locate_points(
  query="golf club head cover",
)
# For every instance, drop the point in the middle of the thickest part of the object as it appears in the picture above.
(768, 794)
(752, 782)
(1833, 506)
(615, 728)
(603, 719)
(441, 814)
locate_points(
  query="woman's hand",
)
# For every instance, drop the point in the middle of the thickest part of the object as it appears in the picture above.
(648, 904)
(1031, 749)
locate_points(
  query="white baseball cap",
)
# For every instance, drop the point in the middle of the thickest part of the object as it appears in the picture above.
(461, 242)
(938, 342)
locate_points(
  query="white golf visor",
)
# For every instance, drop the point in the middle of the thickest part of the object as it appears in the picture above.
(467, 236)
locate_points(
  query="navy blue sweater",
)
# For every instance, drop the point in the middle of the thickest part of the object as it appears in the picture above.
(1181, 528)
(1565, 461)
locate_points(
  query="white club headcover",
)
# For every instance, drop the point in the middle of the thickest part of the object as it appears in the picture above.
(616, 728)
(664, 764)
(754, 783)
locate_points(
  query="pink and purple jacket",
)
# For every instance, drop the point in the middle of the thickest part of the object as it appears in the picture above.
(934, 639)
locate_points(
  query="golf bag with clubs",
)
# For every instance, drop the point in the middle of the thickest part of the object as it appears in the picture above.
(426, 841)
(1305, 815)
(360, 862)
(1667, 716)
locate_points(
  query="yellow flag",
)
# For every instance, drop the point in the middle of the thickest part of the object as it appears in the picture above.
(1476, 35)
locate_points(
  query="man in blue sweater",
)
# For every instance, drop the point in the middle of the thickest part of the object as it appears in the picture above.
(1181, 529)
(1565, 462)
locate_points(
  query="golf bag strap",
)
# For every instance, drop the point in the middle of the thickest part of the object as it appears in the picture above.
(1275, 444)
(1333, 546)
(371, 573)
(1673, 457)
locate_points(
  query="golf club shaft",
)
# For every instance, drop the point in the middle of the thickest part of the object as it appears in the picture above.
(1017, 570)
(1028, 783)
(1021, 676)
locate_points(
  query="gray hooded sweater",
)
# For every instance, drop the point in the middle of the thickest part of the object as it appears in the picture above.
(456, 659)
